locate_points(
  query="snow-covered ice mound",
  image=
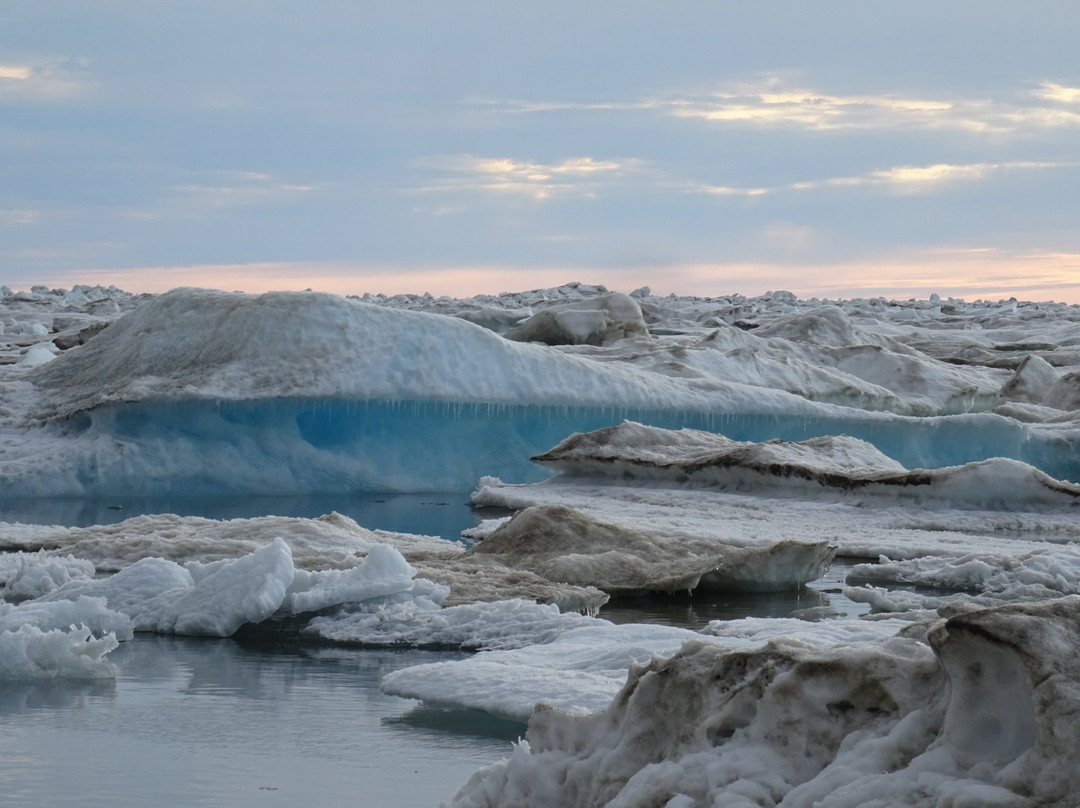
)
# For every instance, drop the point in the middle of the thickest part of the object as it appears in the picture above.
(983, 715)
(193, 343)
(565, 545)
(1040, 573)
(595, 321)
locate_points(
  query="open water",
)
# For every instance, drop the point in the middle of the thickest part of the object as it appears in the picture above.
(263, 722)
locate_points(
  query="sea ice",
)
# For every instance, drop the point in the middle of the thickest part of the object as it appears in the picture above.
(633, 451)
(201, 392)
(31, 575)
(983, 715)
(497, 625)
(565, 545)
(30, 653)
(212, 599)
(939, 437)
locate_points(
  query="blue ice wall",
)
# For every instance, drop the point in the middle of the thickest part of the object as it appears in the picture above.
(294, 446)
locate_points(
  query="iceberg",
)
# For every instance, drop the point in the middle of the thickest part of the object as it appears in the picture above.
(202, 392)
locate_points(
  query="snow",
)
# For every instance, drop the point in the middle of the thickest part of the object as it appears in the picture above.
(717, 445)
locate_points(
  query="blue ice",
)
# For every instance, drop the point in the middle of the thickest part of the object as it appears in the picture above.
(294, 445)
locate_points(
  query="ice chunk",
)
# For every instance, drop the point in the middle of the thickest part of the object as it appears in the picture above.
(39, 354)
(198, 343)
(497, 625)
(31, 575)
(1031, 383)
(212, 599)
(595, 321)
(383, 574)
(202, 392)
(30, 653)
(332, 540)
(581, 670)
(565, 545)
(91, 613)
(476, 578)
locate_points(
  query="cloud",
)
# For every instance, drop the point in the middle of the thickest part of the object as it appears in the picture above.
(1057, 92)
(773, 103)
(902, 179)
(578, 176)
(44, 80)
(240, 188)
(19, 216)
(15, 72)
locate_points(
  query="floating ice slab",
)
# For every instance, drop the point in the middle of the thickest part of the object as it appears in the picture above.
(693, 458)
(332, 540)
(67, 639)
(582, 670)
(498, 625)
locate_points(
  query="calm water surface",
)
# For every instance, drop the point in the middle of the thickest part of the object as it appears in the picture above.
(438, 514)
(213, 723)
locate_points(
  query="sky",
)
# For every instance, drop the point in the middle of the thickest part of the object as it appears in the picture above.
(833, 149)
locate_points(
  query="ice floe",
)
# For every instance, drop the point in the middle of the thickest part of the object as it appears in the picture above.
(633, 451)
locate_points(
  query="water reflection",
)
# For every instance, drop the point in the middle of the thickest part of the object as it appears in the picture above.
(697, 609)
(214, 723)
(450, 722)
(52, 694)
(443, 515)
